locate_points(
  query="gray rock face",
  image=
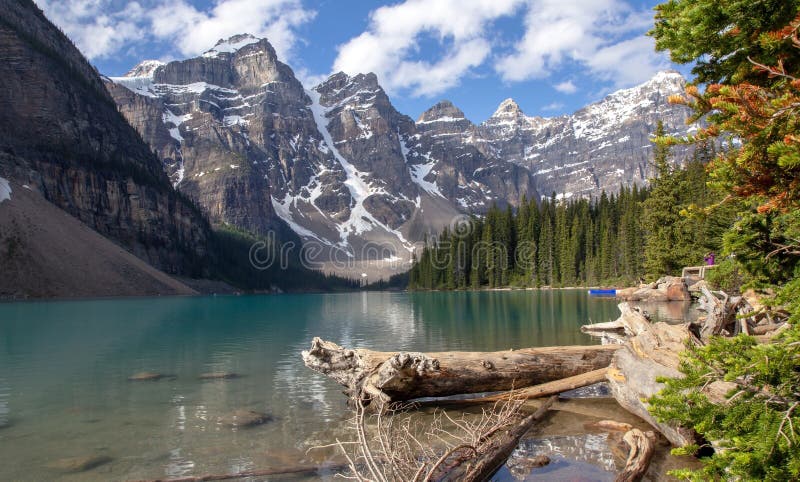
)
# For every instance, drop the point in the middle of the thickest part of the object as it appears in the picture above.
(62, 136)
(452, 165)
(600, 147)
(237, 132)
(367, 131)
(231, 128)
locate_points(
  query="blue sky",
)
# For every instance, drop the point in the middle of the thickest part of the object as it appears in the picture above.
(551, 56)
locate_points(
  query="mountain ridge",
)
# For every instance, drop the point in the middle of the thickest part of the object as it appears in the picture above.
(345, 170)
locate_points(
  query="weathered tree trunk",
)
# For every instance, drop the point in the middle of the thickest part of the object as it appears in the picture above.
(609, 426)
(390, 377)
(537, 391)
(764, 329)
(615, 325)
(651, 351)
(495, 450)
(642, 447)
(720, 312)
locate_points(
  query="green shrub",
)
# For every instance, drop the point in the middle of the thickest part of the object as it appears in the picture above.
(725, 276)
(757, 432)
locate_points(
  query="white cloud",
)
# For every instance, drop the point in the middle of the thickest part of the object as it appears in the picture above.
(603, 38)
(102, 28)
(308, 78)
(94, 30)
(627, 62)
(604, 35)
(553, 106)
(390, 47)
(194, 31)
(566, 87)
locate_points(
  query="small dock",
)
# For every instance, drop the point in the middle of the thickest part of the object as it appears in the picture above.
(696, 273)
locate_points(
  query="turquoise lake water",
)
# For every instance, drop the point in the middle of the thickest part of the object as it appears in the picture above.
(64, 368)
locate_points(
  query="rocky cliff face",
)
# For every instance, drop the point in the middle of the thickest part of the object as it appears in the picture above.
(62, 135)
(236, 131)
(600, 147)
(223, 125)
(454, 167)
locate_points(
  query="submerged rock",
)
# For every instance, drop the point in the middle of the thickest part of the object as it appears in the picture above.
(247, 418)
(538, 461)
(521, 467)
(146, 377)
(79, 464)
(219, 376)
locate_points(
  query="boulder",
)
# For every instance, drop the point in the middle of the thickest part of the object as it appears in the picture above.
(219, 376)
(678, 292)
(668, 288)
(697, 288)
(627, 294)
(539, 461)
(79, 464)
(247, 418)
(146, 377)
(650, 295)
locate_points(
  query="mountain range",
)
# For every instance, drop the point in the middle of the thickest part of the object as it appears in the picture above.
(116, 186)
(363, 183)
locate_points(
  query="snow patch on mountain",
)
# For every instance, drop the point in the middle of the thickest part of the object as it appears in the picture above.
(180, 173)
(418, 174)
(284, 211)
(420, 171)
(441, 119)
(145, 86)
(137, 85)
(230, 45)
(234, 120)
(5, 190)
(599, 119)
(360, 220)
(507, 108)
(176, 120)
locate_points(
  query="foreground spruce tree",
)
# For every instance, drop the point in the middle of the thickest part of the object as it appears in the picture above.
(752, 49)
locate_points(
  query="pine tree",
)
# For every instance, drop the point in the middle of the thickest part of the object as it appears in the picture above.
(546, 251)
(661, 213)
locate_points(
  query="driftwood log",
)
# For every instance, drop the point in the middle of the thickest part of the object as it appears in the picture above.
(642, 447)
(390, 376)
(609, 426)
(529, 393)
(733, 315)
(651, 350)
(493, 451)
(717, 313)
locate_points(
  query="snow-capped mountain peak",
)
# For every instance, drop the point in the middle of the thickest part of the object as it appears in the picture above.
(599, 147)
(443, 111)
(666, 76)
(144, 68)
(231, 44)
(508, 108)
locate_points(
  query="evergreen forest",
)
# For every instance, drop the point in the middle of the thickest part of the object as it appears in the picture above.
(621, 238)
